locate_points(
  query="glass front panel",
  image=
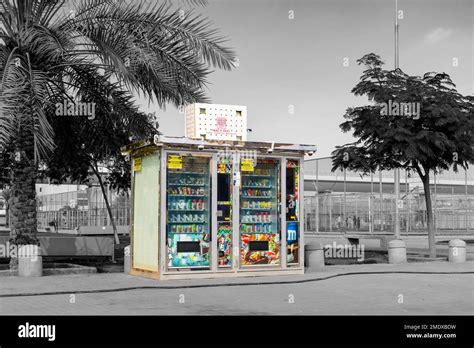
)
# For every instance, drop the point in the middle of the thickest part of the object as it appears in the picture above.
(224, 212)
(259, 215)
(292, 211)
(188, 203)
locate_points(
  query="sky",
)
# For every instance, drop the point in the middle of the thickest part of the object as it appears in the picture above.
(291, 55)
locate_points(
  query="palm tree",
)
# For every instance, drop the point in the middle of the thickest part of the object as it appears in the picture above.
(50, 51)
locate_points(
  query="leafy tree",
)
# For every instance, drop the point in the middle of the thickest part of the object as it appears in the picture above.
(51, 53)
(437, 138)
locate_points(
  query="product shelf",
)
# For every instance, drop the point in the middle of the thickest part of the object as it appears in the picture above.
(187, 173)
(257, 187)
(177, 195)
(257, 209)
(186, 210)
(243, 232)
(257, 175)
(170, 232)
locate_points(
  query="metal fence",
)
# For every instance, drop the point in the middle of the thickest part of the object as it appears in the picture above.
(75, 209)
(334, 212)
(349, 201)
(73, 218)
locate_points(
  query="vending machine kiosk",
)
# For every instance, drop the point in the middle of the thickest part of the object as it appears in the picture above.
(216, 208)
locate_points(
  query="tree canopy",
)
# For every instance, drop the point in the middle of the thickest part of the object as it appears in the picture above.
(420, 123)
(441, 137)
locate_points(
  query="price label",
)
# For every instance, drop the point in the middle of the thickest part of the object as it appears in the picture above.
(247, 165)
(175, 162)
(137, 164)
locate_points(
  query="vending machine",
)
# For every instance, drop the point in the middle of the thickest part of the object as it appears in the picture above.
(260, 213)
(187, 211)
(216, 208)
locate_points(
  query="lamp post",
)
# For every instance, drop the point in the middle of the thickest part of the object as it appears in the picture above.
(396, 176)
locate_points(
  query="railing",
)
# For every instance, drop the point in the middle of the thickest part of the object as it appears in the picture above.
(75, 218)
(368, 213)
(362, 212)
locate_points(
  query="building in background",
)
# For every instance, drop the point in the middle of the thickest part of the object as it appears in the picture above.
(216, 121)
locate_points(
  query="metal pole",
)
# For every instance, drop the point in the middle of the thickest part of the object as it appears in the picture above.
(397, 170)
(467, 201)
(330, 211)
(396, 36)
(381, 200)
(453, 223)
(356, 227)
(407, 214)
(317, 196)
(371, 184)
(435, 204)
(396, 177)
(371, 216)
(344, 208)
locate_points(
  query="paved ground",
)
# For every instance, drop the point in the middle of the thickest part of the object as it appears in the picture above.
(345, 292)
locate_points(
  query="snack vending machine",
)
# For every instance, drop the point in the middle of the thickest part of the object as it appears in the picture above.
(216, 208)
(187, 202)
(260, 213)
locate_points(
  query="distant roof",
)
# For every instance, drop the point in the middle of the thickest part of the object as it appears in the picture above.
(323, 166)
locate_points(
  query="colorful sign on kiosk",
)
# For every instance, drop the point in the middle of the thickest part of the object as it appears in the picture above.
(175, 162)
(137, 164)
(247, 165)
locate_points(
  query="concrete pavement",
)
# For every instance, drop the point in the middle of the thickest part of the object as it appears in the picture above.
(408, 289)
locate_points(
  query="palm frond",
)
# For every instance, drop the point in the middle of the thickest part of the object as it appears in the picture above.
(165, 50)
(108, 50)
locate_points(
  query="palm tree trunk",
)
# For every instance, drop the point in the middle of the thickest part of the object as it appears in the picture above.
(429, 215)
(22, 203)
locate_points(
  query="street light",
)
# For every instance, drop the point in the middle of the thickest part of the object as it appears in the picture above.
(396, 176)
